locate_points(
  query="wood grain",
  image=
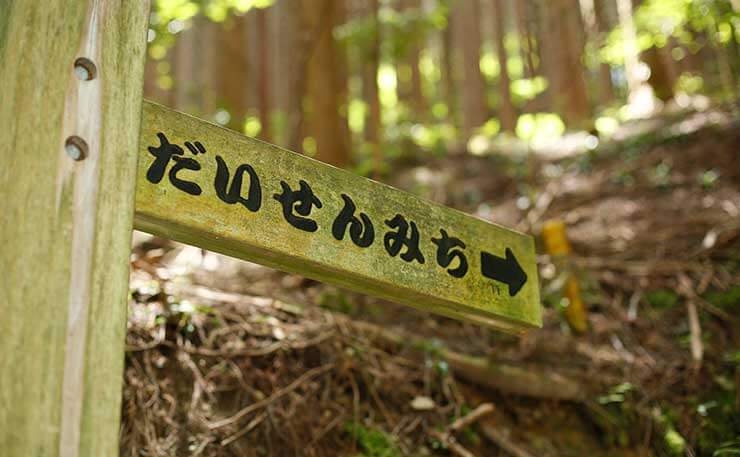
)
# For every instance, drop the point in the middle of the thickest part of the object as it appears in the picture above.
(67, 223)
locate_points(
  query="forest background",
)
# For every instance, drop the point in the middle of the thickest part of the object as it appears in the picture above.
(615, 120)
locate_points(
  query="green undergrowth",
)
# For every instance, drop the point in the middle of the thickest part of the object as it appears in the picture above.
(372, 442)
(727, 300)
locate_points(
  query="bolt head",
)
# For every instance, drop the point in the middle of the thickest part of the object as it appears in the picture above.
(73, 151)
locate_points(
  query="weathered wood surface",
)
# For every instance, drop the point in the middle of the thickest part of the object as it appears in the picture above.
(177, 197)
(66, 223)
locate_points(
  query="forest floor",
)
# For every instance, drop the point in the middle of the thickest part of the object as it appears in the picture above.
(225, 357)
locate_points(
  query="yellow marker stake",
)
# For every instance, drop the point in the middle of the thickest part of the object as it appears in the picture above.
(211, 187)
(558, 246)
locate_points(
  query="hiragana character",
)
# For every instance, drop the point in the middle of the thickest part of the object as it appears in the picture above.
(166, 151)
(254, 195)
(447, 252)
(394, 241)
(301, 201)
(360, 229)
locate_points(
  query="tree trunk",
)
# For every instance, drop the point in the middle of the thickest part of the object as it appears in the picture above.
(631, 60)
(206, 34)
(296, 47)
(448, 74)
(722, 57)
(195, 59)
(152, 89)
(507, 113)
(524, 28)
(550, 53)
(662, 74)
(185, 70)
(325, 86)
(263, 69)
(418, 102)
(569, 94)
(370, 89)
(411, 89)
(287, 70)
(599, 29)
(467, 31)
(232, 71)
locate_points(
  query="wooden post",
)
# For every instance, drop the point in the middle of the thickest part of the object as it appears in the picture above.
(70, 106)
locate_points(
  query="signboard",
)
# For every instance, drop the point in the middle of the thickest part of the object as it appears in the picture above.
(207, 186)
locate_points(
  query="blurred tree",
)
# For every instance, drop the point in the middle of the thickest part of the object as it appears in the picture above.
(574, 107)
(370, 89)
(155, 73)
(562, 59)
(507, 113)
(447, 73)
(631, 50)
(296, 47)
(263, 72)
(467, 37)
(288, 62)
(550, 50)
(597, 26)
(411, 86)
(325, 128)
(232, 70)
(663, 76)
(522, 11)
(184, 69)
(206, 49)
(416, 68)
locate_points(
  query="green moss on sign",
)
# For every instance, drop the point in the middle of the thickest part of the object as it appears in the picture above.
(211, 187)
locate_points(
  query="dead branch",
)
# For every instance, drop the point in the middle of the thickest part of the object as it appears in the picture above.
(465, 421)
(447, 437)
(272, 398)
(528, 381)
(451, 443)
(499, 438)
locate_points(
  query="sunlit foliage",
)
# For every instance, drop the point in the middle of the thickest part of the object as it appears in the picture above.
(691, 23)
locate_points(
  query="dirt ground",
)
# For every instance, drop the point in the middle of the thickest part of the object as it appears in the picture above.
(228, 358)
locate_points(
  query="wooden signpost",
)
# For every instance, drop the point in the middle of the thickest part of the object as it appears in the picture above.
(70, 110)
(204, 185)
(71, 77)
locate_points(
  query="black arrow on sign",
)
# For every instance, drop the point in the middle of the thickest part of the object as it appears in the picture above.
(507, 271)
